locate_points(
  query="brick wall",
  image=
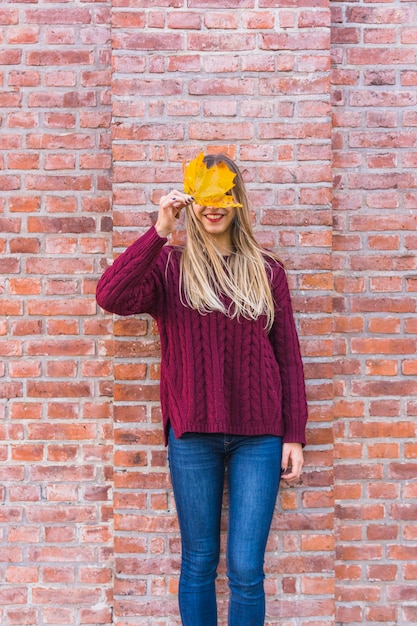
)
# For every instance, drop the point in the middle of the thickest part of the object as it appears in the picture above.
(251, 77)
(56, 534)
(374, 254)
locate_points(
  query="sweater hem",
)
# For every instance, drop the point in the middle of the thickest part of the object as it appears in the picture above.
(273, 431)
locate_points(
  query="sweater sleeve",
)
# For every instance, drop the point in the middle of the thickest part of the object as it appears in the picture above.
(134, 283)
(285, 343)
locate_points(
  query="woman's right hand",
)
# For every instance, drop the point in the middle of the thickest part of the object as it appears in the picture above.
(170, 207)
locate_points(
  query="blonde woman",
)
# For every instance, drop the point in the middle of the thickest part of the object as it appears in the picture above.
(232, 386)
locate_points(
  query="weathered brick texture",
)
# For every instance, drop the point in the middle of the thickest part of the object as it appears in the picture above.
(100, 104)
(374, 100)
(56, 428)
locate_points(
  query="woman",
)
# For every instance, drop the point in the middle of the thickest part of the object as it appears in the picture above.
(232, 386)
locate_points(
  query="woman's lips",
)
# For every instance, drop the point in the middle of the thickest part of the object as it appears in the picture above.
(213, 217)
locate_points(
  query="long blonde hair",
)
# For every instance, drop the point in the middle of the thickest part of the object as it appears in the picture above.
(206, 276)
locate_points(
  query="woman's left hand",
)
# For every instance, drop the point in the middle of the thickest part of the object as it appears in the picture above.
(292, 461)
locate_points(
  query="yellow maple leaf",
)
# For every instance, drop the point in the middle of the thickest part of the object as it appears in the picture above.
(209, 185)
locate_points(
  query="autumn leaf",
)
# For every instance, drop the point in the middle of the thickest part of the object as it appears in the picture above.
(209, 185)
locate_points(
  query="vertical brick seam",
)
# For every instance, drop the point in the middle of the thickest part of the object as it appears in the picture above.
(56, 429)
(250, 79)
(374, 100)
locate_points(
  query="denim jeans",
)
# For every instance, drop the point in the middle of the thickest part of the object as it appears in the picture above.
(198, 464)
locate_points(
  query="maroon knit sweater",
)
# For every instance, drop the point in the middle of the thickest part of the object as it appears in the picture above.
(217, 374)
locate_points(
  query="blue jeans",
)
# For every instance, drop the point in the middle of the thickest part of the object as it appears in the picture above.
(198, 463)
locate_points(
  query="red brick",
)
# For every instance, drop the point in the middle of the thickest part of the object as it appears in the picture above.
(209, 42)
(381, 613)
(58, 16)
(220, 20)
(384, 408)
(376, 56)
(364, 98)
(46, 595)
(382, 532)
(130, 19)
(58, 389)
(387, 325)
(383, 450)
(382, 368)
(64, 575)
(379, 35)
(146, 41)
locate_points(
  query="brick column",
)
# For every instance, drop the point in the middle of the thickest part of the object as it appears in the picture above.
(56, 536)
(252, 79)
(375, 159)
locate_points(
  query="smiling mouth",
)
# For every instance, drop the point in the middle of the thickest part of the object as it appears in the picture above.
(214, 217)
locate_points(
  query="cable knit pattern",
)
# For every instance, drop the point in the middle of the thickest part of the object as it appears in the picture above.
(217, 374)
